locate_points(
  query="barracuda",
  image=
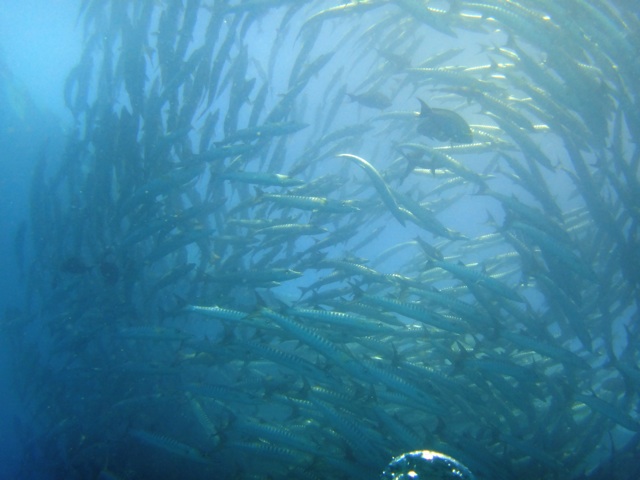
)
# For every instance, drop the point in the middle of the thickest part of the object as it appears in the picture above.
(183, 323)
(318, 204)
(308, 336)
(610, 411)
(471, 276)
(343, 319)
(415, 312)
(203, 418)
(554, 247)
(262, 178)
(439, 159)
(170, 445)
(560, 354)
(218, 312)
(380, 185)
(159, 334)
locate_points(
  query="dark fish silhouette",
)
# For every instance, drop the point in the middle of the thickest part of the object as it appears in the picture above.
(371, 99)
(74, 266)
(443, 125)
(110, 272)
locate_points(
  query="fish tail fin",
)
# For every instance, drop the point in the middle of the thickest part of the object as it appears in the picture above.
(181, 302)
(429, 265)
(261, 301)
(461, 359)
(511, 41)
(357, 291)
(431, 252)
(412, 162)
(259, 194)
(482, 188)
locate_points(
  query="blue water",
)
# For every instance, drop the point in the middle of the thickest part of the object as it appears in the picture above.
(42, 41)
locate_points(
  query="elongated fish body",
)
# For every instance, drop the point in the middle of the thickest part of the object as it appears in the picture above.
(203, 418)
(380, 185)
(207, 293)
(170, 445)
(415, 312)
(287, 360)
(555, 352)
(291, 230)
(319, 204)
(610, 411)
(307, 335)
(473, 277)
(218, 312)
(343, 319)
(561, 251)
(154, 333)
(262, 178)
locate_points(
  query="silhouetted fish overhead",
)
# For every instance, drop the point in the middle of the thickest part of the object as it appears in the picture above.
(109, 271)
(74, 265)
(443, 125)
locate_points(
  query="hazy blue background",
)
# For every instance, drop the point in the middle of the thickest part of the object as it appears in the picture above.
(39, 43)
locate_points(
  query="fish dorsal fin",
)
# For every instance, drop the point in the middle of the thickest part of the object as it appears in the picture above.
(425, 110)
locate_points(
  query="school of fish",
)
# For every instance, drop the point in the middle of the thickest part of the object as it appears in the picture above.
(295, 239)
